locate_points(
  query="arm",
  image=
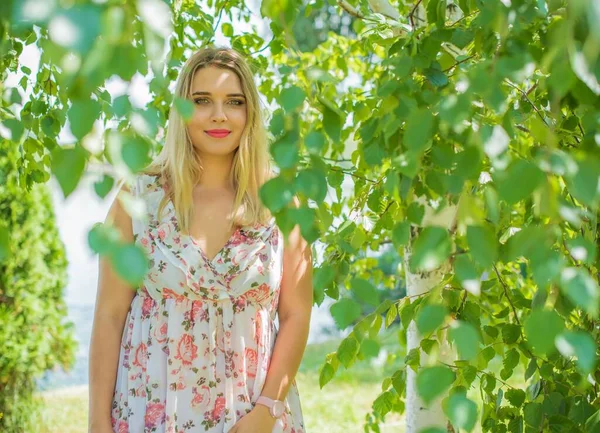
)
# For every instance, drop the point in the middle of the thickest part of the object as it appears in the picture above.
(113, 300)
(295, 304)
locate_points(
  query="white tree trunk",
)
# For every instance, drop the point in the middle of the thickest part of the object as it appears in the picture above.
(418, 416)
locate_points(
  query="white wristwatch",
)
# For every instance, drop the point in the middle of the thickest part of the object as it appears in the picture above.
(276, 407)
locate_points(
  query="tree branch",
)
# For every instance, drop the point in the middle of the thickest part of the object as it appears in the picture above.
(350, 9)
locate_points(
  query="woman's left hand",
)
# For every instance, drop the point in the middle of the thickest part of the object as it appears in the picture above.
(258, 420)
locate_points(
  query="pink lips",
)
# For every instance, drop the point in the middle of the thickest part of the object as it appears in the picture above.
(218, 133)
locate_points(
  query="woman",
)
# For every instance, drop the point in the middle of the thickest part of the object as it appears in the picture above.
(195, 347)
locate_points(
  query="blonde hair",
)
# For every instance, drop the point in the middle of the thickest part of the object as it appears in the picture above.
(179, 165)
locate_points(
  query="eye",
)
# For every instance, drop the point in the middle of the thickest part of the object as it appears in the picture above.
(234, 101)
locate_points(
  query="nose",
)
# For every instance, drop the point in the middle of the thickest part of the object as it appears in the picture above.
(218, 114)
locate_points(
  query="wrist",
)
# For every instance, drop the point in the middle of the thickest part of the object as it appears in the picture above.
(264, 411)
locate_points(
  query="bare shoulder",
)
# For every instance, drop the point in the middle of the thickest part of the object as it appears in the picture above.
(117, 215)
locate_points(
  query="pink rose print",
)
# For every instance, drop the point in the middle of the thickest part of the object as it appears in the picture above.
(238, 238)
(201, 396)
(258, 294)
(141, 353)
(147, 306)
(148, 247)
(155, 415)
(257, 328)
(123, 427)
(239, 255)
(160, 333)
(219, 408)
(171, 294)
(197, 310)
(251, 361)
(161, 234)
(187, 351)
(284, 421)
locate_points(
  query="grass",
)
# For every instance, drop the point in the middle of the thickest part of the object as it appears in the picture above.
(340, 407)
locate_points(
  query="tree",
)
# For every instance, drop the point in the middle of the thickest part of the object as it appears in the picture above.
(34, 335)
(470, 141)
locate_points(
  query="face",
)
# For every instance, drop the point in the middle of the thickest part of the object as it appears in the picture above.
(220, 105)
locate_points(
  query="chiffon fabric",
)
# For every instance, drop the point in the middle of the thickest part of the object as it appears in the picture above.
(199, 333)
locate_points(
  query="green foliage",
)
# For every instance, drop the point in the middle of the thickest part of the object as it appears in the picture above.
(34, 333)
(489, 109)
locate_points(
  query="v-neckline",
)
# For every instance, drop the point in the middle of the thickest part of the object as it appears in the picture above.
(221, 250)
(210, 262)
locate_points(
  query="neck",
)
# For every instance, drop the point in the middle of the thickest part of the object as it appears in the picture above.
(216, 172)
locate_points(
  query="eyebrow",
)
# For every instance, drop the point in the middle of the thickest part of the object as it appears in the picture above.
(208, 93)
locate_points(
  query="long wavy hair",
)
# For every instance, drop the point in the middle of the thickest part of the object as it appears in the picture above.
(179, 165)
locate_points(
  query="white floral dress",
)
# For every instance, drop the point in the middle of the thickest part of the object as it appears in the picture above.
(199, 334)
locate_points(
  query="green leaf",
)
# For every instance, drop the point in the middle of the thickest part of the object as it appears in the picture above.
(584, 183)
(430, 249)
(130, 263)
(419, 129)
(466, 338)
(533, 415)
(391, 315)
(384, 403)
(430, 317)
(291, 98)
(592, 425)
(407, 312)
(582, 249)
(326, 374)
(15, 127)
(323, 277)
(285, 150)
(519, 181)
(348, 350)
(315, 142)
(345, 312)
(483, 245)
(68, 165)
(136, 153)
(541, 329)
(510, 333)
(461, 411)
(433, 382)
(103, 187)
(401, 234)
(82, 114)
(332, 123)
(415, 213)
(312, 183)
(185, 108)
(227, 30)
(581, 345)
(82, 23)
(436, 77)
(365, 291)
(413, 359)
(369, 348)
(467, 274)
(276, 194)
(121, 106)
(515, 396)
(273, 9)
(581, 288)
